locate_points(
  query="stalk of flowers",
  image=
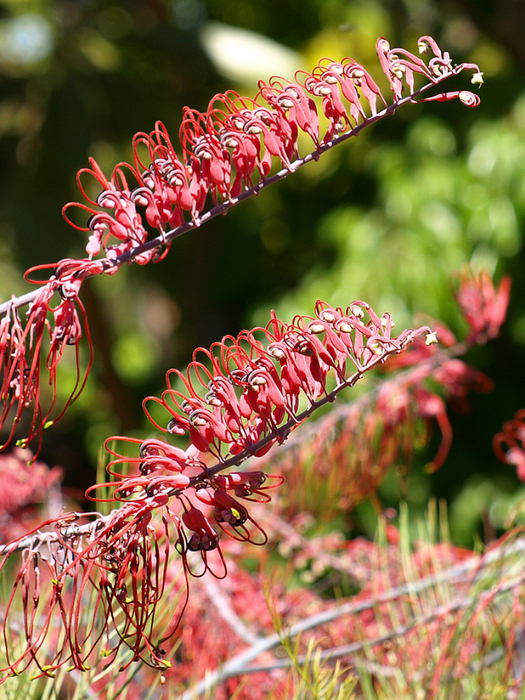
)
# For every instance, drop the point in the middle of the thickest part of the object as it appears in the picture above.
(229, 153)
(83, 591)
(245, 395)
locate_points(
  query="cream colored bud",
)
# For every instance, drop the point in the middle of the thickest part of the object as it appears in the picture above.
(398, 70)
(469, 99)
(258, 381)
(316, 327)
(431, 338)
(277, 353)
(477, 78)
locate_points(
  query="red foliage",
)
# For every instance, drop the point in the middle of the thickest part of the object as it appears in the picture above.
(25, 486)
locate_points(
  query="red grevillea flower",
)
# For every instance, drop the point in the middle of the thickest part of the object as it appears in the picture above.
(84, 591)
(55, 320)
(230, 149)
(242, 396)
(236, 400)
(245, 393)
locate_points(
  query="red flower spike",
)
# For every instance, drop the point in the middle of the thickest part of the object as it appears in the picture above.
(223, 147)
(120, 560)
(251, 393)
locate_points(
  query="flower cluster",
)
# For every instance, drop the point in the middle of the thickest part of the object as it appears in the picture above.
(55, 320)
(255, 393)
(232, 147)
(245, 393)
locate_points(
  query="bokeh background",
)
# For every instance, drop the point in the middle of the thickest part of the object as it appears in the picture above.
(389, 217)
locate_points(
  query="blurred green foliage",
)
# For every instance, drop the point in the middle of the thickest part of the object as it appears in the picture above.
(389, 217)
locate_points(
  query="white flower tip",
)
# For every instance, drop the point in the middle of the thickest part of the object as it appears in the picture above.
(431, 338)
(328, 316)
(316, 327)
(477, 78)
